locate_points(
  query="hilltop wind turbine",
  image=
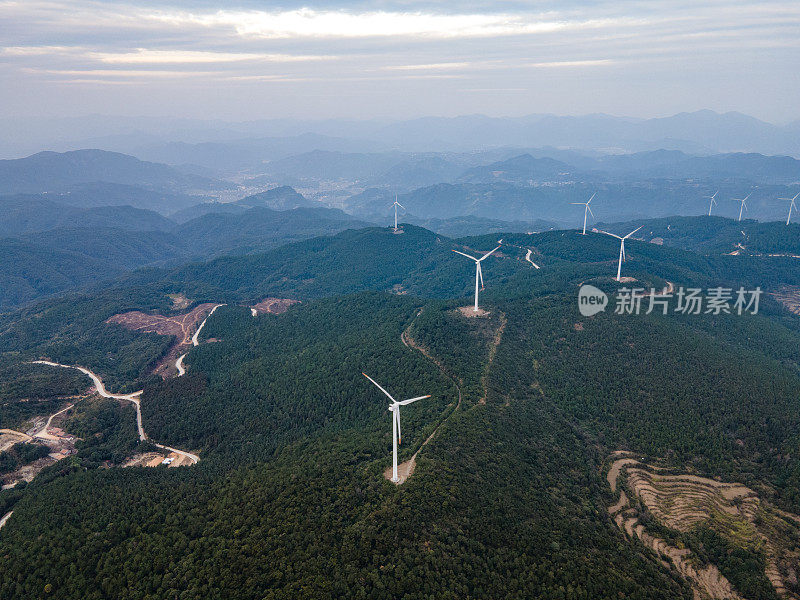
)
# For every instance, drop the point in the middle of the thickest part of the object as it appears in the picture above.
(622, 248)
(394, 408)
(478, 271)
(396, 204)
(744, 204)
(713, 201)
(586, 210)
(791, 206)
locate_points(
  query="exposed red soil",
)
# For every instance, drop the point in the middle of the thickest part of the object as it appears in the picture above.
(275, 306)
(182, 327)
(789, 296)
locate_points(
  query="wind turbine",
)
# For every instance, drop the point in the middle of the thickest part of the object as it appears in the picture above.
(478, 271)
(744, 204)
(396, 204)
(791, 206)
(394, 408)
(622, 248)
(713, 201)
(586, 210)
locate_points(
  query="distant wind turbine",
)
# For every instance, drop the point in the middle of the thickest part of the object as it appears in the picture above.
(478, 271)
(585, 210)
(791, 206)
(743, 206)
(622, 248)
(396, 204)
(394, 408)
(713, 201)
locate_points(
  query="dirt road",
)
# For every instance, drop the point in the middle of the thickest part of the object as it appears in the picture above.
(134, 398)
(42, 434)
(406, 469)
(5, 518)
(195, 342)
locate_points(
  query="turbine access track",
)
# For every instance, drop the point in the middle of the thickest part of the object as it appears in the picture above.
(406, 469)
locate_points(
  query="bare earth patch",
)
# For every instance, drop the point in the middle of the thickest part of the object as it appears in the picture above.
(683, 502)
(181, 327)
(274, 306)
(469, 311)
(789, 296)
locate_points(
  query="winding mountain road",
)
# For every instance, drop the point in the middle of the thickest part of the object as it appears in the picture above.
(406, 469)
(195, 342)
(134, 398)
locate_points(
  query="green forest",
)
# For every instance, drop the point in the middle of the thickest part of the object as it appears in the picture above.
(509, 497)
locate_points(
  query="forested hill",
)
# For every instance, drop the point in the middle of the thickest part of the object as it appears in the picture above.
(718, 235)
(53, 248)
(289, 499)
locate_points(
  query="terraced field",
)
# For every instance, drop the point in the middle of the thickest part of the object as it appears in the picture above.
(683, 503)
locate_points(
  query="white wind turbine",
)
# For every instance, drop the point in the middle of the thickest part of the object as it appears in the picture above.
(713, 201)
(396, 204)
(478, 271)
(394, 408)
(622, 248)
(744, 204)
(586, 210)
(791, 206)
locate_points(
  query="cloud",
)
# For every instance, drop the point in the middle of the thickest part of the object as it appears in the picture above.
(309, 23)
(145, 56)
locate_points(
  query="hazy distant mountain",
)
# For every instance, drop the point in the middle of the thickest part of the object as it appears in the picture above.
(230, 146)
(701, 131)
(615, 200)
(523, 169)
(22, 214)
(52, 171)
(95, 194)
(472, 226)
(259, 229)
(279, 198)
(249, 154)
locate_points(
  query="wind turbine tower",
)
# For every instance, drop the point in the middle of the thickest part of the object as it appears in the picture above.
(743, 206)
(394, 409)
(478, 272)
(396, 204)
(622, 248)
(586, 210)
(791, 206)
(713, 201)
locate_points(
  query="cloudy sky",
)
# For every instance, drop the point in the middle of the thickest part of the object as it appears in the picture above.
(399, 59)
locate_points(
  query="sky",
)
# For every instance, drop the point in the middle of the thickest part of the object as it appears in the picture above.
(258, 60)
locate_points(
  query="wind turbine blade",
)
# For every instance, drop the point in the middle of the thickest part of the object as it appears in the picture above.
(378, 386)
(592, 198)
(480, 274)
(410, 400)
(589, 208)
(585, 203)
(622, 249)
(401, 206)
(632, 232)
(487, 254)
(467, 255)
(611, 234)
